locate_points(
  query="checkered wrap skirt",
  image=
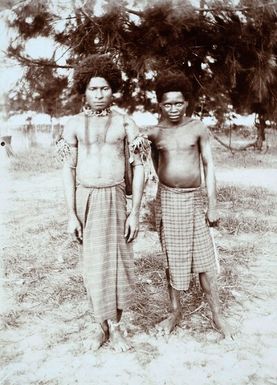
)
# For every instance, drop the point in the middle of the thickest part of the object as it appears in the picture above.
(185, 237)
(107, 259)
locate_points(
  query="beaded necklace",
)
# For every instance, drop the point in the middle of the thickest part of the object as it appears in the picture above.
(88, 111)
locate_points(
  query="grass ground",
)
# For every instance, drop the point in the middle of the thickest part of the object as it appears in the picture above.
(248, 158)
(45, 331)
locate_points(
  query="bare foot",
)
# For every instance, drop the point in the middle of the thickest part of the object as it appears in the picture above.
(118, 342)
(100, 337)
(166, 326)
(223, 328)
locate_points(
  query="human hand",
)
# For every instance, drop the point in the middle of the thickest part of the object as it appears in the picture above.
(131, 227)
(74, 229)
(212, 217)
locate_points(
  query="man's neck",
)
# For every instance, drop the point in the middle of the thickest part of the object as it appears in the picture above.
(166, 123)
(91, 112)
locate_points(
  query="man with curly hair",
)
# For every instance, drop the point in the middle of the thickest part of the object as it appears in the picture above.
(94, 152)
(179, 145)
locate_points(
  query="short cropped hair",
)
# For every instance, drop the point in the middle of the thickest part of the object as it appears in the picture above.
(96, 66)
(172, 82)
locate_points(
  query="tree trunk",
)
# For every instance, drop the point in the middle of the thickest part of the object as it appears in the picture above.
(260, 132)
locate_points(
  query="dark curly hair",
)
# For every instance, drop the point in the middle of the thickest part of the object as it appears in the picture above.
(170, 82)
(96, 66)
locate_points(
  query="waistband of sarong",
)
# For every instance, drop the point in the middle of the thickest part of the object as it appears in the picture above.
(179, 190)
(102, 186)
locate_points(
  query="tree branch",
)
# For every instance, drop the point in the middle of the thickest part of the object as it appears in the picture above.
(232, 148)
(213, 9)
(35, 63)
(237, 8)
(133, 12)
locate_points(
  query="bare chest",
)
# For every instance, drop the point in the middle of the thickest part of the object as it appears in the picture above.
(176, 140)
(98, 131)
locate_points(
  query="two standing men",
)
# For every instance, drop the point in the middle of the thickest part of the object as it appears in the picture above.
(94, 151)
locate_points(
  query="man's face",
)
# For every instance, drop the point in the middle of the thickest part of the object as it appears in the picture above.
(173, 106)
(98, 93)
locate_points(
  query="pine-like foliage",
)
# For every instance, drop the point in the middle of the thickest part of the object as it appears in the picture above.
(227, 51)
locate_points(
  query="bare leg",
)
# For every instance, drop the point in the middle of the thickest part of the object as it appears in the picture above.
(118, 341)
(209, 286)
(101, 336)
(166, 326)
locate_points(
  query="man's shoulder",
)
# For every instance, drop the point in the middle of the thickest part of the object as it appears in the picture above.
(122, 117)
(116, 113)
(198, 125)
(72, 125)
(151, 131)
(195, 121)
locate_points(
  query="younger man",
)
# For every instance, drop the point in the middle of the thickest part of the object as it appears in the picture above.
(179, 145)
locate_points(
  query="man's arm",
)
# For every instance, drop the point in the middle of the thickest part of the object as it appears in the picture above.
(151, 132)
(155, 156)
(69, 179)
(132, 223)
(209, 173)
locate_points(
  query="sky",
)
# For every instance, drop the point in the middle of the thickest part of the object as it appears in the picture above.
(8, 73)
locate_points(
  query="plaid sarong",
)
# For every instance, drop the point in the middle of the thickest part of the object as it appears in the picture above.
(185, 237)
(107, 259)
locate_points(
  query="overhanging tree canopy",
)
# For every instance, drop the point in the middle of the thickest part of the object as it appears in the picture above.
(228, 52)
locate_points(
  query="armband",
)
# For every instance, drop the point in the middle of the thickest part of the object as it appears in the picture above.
(66, 153)
(140, 146)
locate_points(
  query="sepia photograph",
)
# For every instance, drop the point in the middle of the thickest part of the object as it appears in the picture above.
(138, 190)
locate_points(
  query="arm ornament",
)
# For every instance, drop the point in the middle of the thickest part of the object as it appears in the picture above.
(66, 153)
(140, 146)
